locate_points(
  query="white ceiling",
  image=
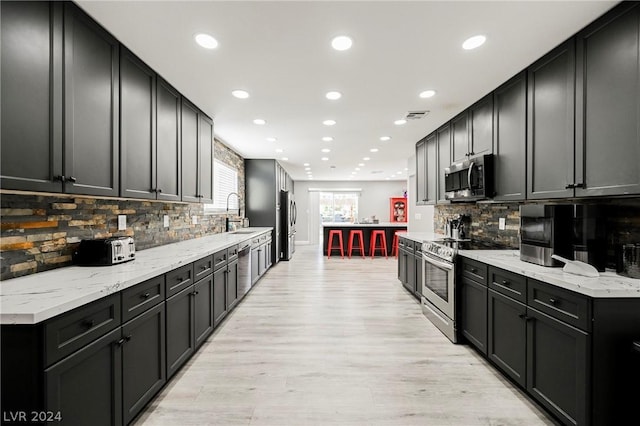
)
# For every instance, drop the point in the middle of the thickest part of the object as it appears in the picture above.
(280, 53)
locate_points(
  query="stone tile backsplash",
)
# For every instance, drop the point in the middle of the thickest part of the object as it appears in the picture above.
(40, 231)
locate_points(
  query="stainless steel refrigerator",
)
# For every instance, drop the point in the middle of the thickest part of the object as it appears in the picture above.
(288, 215)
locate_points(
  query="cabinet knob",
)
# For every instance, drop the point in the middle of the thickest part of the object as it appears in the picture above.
(59, 178)
(474, 270)
(121, 341)
(505, 282)
(146, 295)
(525, 317)
(159, 191)
(553, 301)
(153, 191)
(89, 323)
(71, 179)
(194, 293)
(180, 279)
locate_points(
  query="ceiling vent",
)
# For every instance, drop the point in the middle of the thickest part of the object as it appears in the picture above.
(416, 115)
(376, 172)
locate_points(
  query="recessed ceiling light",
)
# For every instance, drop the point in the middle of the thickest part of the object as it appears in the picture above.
(206, 41)
(473, 42)
(285, 159)
(309, 173)
(307, 168)
(306, 164)
(271, 139)
(385, 138)
(374, 150)
(333, 96)
(357, 169)
(327, 138)
(406, 168)
(279, 150)
(259, 121)
(399, 173)
(387, 178)
(325, 150)
(325, 158)
(427, 94)
(366, 158)
(361, 164)
(240, 94)
(329, 122)
(341, 43)
(400, 122)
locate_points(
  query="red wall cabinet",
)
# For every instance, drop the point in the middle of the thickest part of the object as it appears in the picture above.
(398, 210)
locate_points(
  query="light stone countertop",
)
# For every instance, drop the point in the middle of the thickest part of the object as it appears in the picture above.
(365, 225)
(38, 297)
(421, 237)
(609, 284)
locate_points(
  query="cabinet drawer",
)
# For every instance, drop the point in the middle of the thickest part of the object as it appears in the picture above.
(402, 242)
(508, 283)
(474, 270)
(232, 253)
(219, 259)
(139, 298)
(178, 279)
(202, 267)
(564, 305)
(71, 331)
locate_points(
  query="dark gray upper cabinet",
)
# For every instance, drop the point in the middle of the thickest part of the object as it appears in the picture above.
(432, 168)
(510, 144)
(31, 109)
(190, 142)
(459, 138)
(550, 141)
(608, 104)
(421, 172)
(444, 158)
(91, 77)
(168, 155)
(137, 128)
(206, 159)
(481, 122)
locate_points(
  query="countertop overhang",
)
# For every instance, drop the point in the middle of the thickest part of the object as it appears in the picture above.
(38, 297)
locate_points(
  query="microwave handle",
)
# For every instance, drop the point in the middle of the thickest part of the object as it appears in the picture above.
(469, 175)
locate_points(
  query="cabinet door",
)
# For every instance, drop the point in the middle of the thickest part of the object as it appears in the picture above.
(206, 159)
(418, 262)
(557, 366)
(137, 128)
(474, 313)
(510, 124)
(190, 142)
(31, 109)
(86, 387)
(203, 296)
(168, 153)
(91, 81)
(402, 266)
(421, 172)
(550, 141)
(459, 138)
(444, 160)
(180, 334)
(608, 105)
(411, 272)
(219, 295)
(232, 284)
(481, 122)
(143, 360)
(507, 336)
(255, 255)
(432, 169)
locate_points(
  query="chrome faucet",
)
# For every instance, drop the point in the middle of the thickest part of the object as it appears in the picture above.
(229, 221)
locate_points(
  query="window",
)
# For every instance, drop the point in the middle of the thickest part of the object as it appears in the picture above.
(225, 181)
(338, 206)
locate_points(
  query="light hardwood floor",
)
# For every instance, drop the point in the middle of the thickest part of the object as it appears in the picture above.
(324, 342)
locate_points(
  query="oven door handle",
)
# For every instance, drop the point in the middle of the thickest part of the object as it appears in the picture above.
(439, 263)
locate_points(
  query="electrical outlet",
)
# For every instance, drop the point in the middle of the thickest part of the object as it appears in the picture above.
(166, 220)
(122, 222)
(418, 216)
(194, 220)
(502, 223)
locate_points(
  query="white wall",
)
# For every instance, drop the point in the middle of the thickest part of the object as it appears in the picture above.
(420, 217)
(374, 200)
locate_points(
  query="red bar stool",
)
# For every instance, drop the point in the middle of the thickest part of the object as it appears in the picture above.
(352, 234)
(396, 242)
(330, 247)
(383, 242)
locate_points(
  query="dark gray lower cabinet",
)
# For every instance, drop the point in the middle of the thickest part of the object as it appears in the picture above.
(417, 259)
(86, 387)
(507, 336)
(203, 299)
(180, 334)
(474, 313)
(255, 256)
(143, 360)
(219, 295)
(557, 365)
(232, 284)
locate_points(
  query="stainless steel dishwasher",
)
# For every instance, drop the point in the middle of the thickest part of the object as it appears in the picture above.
(244, 268)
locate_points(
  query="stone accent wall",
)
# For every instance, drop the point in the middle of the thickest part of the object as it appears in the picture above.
(484, 221)
(40, 231)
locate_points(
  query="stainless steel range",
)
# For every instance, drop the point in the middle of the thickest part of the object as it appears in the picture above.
(439, 277)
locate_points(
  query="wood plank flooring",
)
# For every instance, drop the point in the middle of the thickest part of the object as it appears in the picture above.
(336, 342)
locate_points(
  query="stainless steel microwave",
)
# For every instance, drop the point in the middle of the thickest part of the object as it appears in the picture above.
(470, 180)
